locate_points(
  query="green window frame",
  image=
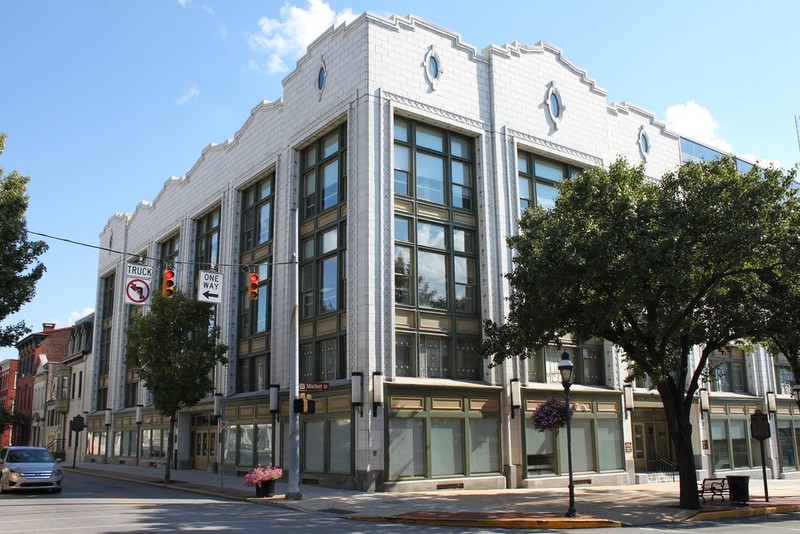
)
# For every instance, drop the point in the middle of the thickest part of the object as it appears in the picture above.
(453, 440)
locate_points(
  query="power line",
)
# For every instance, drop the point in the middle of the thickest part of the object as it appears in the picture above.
(245, 266)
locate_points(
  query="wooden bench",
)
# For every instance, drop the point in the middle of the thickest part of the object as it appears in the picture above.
(713, 486)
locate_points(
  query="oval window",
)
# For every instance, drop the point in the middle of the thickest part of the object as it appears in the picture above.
(644, 143)
(555, 105)
(321, 78)
(433, 67)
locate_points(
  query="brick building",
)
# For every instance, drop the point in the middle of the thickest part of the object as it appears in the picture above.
(8, 381)
(39, 355)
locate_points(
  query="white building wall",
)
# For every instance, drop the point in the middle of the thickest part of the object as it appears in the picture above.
(375, 69)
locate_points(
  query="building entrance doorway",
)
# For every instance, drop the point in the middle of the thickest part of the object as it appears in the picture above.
(652, 449)
(204, 441)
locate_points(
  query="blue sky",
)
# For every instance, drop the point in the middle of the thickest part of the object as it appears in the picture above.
(103, 101)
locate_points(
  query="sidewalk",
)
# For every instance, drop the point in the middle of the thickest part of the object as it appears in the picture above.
(607, 506)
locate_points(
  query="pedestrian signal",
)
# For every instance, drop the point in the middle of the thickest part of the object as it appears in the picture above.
(168, 284)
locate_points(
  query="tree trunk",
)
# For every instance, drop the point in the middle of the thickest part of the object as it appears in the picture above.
(170, 448)
(680, 432)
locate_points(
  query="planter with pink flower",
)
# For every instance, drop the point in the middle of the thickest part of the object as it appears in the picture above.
(263, 478)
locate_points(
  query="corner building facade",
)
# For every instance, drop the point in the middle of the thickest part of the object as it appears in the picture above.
(407, 157)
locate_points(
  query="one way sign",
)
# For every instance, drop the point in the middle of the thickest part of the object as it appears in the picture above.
(209, 287)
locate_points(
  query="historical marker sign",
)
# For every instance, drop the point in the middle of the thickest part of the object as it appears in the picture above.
(209, 287)
(759, 426)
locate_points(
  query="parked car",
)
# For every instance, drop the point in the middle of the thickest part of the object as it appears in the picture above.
(26, 468)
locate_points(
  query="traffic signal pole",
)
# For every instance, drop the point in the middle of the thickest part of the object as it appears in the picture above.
(294, 365)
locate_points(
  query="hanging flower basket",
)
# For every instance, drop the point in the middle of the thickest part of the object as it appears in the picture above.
(550, 415)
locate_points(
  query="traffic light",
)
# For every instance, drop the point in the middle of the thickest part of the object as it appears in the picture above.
(252, 287)
(305, 404)
(168, 284)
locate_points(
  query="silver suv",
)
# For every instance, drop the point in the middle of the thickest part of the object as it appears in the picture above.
(25, 468)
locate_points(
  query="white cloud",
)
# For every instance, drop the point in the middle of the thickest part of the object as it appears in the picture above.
(288, 37)
(191, 93)
(74, 315)
(222, 31)
(694, 121)
(184, 3)
(208, 9)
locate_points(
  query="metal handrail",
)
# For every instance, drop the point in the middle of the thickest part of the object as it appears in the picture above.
(666, 466)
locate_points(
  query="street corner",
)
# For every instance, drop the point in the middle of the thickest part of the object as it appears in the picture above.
(492, 519)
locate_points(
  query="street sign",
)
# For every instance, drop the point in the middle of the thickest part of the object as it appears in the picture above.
(137, 291)
(209, 287)
(223, 424)
(136, 270)
(314, 386)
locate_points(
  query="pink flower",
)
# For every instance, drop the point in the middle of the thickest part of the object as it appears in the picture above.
(260, 474)
(551, 414)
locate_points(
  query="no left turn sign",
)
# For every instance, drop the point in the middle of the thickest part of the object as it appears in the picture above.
(137, 291)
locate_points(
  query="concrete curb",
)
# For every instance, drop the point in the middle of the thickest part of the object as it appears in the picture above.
(745, 512)
(495, 520)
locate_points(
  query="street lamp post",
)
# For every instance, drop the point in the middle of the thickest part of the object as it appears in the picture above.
(565, 367)
(108, 431)
(139, 414)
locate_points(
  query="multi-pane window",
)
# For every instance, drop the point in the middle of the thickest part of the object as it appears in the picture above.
(256, 253)
(728, 371)
(323, 271)
(784, 376)
(107, 318)
(323, 256)
(323, 360)
(207, 240)
(587, 359)
(731, 444)
(131, 388)
(440, 440)
(433, 165)
(435, 256)
(538, 180)
(324, 179)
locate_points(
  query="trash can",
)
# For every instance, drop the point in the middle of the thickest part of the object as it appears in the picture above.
(739, 489)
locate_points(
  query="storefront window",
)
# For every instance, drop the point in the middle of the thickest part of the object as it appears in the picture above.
(609, 444)
(339, 448)
(406, 447)
(484, 455)
(447, 447)
(314, 447)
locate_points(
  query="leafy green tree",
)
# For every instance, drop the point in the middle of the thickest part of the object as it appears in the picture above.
(175, 350)
(9, 419)
(657, 267)
(18, 276)
(781, 306)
